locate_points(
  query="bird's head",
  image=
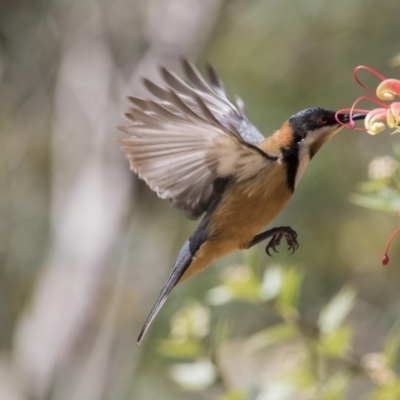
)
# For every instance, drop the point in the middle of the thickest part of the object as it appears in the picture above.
(300, 137)
(312, 127)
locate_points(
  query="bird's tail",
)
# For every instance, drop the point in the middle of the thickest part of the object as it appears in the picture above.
(181, 265)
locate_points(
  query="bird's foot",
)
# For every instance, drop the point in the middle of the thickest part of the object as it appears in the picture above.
(291, 238)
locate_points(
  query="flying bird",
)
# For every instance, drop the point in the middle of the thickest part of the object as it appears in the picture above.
(197, 148)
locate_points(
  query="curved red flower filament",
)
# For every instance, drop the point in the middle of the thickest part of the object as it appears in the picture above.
(353, 109)
(372, 99)
(350, 125)
(385, 259)
(375, 119)
(370, 70)
(387, 90)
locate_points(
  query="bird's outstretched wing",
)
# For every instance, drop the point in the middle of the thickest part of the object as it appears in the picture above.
(187, 138)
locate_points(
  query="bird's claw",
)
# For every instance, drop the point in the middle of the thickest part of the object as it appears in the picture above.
(291, 238)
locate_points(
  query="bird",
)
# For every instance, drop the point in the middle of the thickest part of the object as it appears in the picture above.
(197, 148)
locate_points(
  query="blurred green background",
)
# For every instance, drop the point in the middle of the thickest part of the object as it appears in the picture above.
(85, 247)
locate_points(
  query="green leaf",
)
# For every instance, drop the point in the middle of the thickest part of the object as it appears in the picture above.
(233, 395)
(248, 291)
(286, 300)
(373, 185)
(336, 343)
(386, 199)
(269, 336)
(240, 283)
(335, 388)
(334, 313)
(176, 348)
(302, 378)
(192, 321)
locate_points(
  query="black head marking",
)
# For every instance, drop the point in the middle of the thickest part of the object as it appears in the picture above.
(311, 119)
(302, 123)
(316, 120)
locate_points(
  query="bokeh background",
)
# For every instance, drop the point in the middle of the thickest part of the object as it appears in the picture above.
(85, 247)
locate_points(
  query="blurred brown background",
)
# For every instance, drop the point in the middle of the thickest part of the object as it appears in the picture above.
(85, 247)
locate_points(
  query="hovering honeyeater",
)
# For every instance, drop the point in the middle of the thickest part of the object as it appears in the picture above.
(197, 148)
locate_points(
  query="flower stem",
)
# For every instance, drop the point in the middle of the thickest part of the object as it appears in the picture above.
(385, 259)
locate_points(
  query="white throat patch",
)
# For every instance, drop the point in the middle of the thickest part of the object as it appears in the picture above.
(304, 159)
(306, 143)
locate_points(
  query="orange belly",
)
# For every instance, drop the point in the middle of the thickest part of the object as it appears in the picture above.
(244, 210)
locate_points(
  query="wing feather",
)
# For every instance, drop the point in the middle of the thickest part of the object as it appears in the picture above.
(189, 136)
(156, 90)
(195, 78)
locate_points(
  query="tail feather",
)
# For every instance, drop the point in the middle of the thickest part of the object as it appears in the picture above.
(182, 263)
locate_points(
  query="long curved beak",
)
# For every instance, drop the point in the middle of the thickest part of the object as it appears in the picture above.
(345, 118)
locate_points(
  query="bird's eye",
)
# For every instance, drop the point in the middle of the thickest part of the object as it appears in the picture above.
(323, 120)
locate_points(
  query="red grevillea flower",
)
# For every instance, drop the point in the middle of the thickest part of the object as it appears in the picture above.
(376, 118)
(385, 258)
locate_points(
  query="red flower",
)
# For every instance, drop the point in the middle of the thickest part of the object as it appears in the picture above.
(375, 120)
